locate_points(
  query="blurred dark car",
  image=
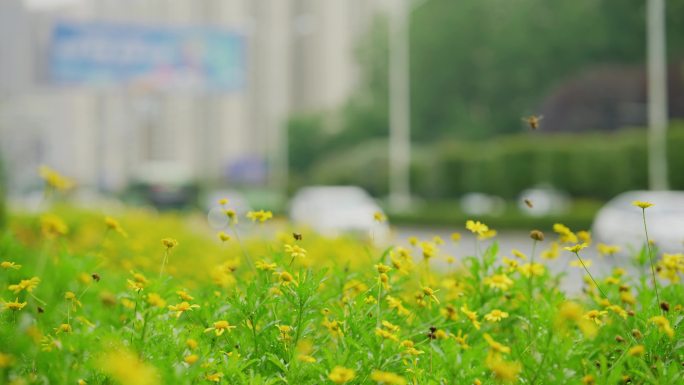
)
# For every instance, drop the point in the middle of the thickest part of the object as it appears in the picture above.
(164, 185)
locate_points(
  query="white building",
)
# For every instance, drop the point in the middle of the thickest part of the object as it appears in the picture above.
(300, 56)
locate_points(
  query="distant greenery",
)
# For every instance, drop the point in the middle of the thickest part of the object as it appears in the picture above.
(477, 67)
(449, 213)
(594, 165)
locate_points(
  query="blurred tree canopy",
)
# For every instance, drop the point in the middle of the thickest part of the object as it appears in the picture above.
(478, 66)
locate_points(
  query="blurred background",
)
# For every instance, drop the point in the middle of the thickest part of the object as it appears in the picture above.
(421, 104)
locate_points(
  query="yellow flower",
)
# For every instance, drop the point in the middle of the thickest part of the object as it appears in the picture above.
(341, 375)
(113, 224)
(496, 315)
(618, 310)
(389, 326)
(333, 327)
(670, 266)
(588, 380)
(519, 254)
(428, 292)
(215, 377)
(169, 243)
(125, 367)
(387, 378)
(261, 216)
(455, 237)
(191, 343)
(379, 217)
(182, 307)
(663, 325)
(642, 204)
(54, 179)
(576, 248)
(397, 305)
(595, 315)
(478, 227)
(551, 253)
(10, 265)
(496, 346)
(429, 249)
(184, 295)
(566, 235)
(191, 359)
(570, 313)
(386, 334)
(6, 360)
(584, 236)
(15, 305)
(265, 266)
(155, 299)
(461, 339)
(498, 281)
(220, 327)
(504, 371)
(637, 350)
(63, 328)
(532, 269)
(471, 315)
(25, 284)
(286, 278)
(223, 237)
(232, 216)
(306, 358)
(52, 226)
(223, 201)
(604, 249)
(295, 251)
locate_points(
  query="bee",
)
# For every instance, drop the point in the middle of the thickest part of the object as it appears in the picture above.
(528, 203)
(297, 236)
(533, 121)
(96, 277)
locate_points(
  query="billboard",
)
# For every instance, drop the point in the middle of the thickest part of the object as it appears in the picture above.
(110, 54)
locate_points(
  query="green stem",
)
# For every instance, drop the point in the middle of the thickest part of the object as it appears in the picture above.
(592, 277)
(531, 290)
(650, 257)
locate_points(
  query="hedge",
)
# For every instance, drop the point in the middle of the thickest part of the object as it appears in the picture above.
(591, 165)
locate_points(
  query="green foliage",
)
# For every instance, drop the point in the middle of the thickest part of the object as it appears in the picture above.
(595, 165)
(449, 213)
(391, 311)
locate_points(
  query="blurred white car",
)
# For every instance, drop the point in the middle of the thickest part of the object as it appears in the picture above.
(334, 210)
(620, 223)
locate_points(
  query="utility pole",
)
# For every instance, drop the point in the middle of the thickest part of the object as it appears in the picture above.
(399, 107)
(657, 96)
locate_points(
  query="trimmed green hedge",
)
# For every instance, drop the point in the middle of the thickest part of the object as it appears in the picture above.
(594, 165)
(449, 213)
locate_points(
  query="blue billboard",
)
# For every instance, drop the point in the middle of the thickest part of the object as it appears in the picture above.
(109, 54)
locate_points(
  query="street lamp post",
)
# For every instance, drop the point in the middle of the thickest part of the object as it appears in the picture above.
(657, 96)
(399, 105)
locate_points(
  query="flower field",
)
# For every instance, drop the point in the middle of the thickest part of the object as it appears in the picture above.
(147, 298)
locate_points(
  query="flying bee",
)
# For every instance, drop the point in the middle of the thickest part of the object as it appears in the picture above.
(297, 236)
(533, 121)
(528, 203)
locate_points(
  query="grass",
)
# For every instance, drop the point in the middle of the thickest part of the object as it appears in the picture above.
(346, 312)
